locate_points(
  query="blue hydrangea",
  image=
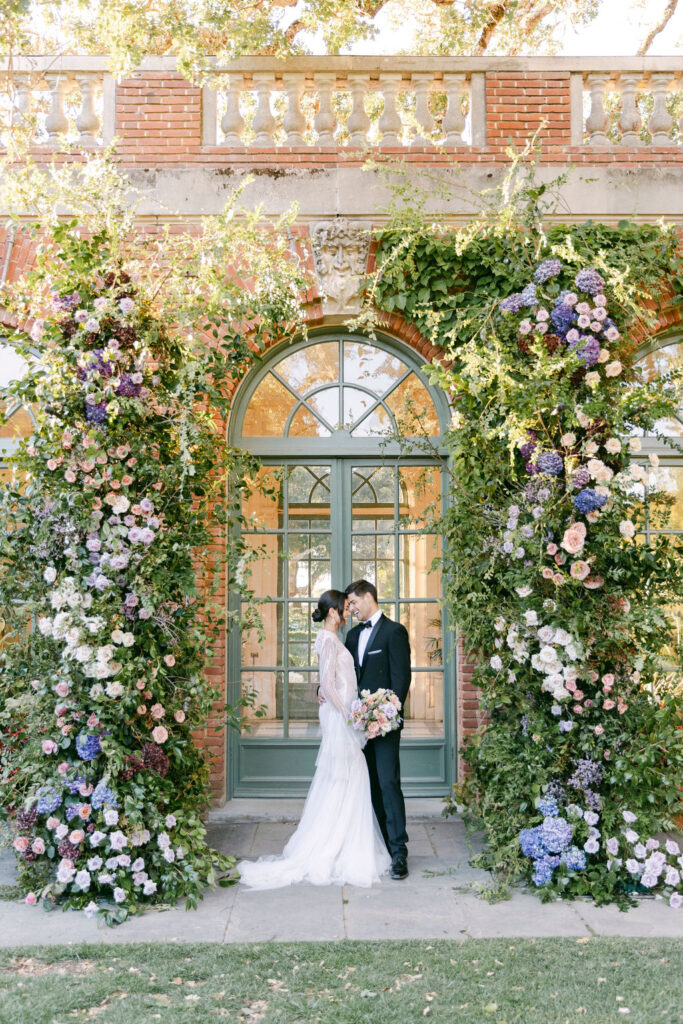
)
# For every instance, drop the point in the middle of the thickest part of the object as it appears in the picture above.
(96, 413)
(548, 807)
(103, 795)
(528, 295)
(543, 872)
(49, 799)
(513, 303)
(588, 280)
(87, 746)
(547, 269)
(551, 463)
(562, 318)
(588, 500)
(556, 834)
(531, 843)
(574, 858)
(73, 785)
(71, 812)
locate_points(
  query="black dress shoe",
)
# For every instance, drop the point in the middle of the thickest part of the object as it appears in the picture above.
(399, 867)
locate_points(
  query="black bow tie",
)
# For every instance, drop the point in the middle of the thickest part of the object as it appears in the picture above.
(366, 625)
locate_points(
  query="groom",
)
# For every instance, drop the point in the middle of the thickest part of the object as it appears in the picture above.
(381, 654)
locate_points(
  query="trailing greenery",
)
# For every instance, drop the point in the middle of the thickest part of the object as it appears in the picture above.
(114, 542)
(552, 570)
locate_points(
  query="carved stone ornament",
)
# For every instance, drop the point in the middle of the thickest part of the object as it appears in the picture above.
(340, 251)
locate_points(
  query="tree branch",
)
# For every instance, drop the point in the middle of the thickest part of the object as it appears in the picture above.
(666, 17)
(495, 17)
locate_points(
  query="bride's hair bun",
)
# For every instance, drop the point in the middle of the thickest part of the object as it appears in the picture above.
(330, 599)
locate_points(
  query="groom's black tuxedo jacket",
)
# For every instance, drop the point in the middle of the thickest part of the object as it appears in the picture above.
(386, 662)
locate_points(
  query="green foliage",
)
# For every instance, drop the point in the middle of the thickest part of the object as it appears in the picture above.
(116, 551)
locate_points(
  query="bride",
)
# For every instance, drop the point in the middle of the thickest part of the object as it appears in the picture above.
(338, 840)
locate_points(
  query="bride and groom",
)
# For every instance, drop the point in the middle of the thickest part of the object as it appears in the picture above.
(353, 825)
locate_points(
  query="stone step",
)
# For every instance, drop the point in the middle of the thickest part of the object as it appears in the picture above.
(418, 810)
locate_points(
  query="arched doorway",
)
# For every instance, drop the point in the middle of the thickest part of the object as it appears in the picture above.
(341, 502)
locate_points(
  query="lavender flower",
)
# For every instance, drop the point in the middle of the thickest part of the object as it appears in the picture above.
(531, 843)
(543, 872)
(590, 353)
(580, 477)
(128, 388)
(103, 795)
(589, 280)
(548, 807)
(587, 774)
(512, 304)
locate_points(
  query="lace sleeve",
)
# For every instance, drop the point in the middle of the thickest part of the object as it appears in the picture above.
(330, 684)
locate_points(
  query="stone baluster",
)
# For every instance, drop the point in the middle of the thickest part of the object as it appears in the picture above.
(21, 107)
(358, 123)
(325, 121)
(294, 122)
(453, 124)
(423, 116)
(596, 123)
(630, 120)
(390, 124)
(56, 122)
(87, 122)
(661, 121)
(232, 122)
(264, 123)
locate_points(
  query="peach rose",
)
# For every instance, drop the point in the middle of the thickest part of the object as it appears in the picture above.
(179, 715)
(580, 570)
(159, 734)
(574, 538)
(169, 660)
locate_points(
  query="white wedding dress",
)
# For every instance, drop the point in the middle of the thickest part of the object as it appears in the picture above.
(338, 840)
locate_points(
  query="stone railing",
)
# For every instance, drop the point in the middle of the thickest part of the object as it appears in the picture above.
(59, 100)
(394, 102)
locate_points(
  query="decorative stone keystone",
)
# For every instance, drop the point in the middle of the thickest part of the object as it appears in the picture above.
(340, 250)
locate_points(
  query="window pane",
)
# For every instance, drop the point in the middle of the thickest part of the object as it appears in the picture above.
(268, 688)
(378, 422)
(423, 712)
(669, 479)
(419, 493)
(326, 403)
(308, 485)
(268, 410)
(302, 704)
(416, 554)
(305, 424)
(309, 564)
(355, 404)
(264, 507)
(424, 625)
(12, 365)
(413, 408)
(310, 367)
(370, 366)
(373, 486)
(653, 365)
(264, 569)
(269, 650)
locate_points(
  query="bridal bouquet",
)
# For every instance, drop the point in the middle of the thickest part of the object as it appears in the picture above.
(375, 714)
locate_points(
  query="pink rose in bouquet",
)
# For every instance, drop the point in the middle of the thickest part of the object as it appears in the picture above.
(376, 714)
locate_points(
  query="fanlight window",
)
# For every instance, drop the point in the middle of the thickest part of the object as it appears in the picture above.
(340, 386)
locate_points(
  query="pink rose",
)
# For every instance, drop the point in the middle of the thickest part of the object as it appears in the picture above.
(373, 730)
(578, 694)
(77, 836)
(52, 464)
(157, 711)
(20, 843)
(126, 480)
(607, 754)
(170, 660)
(547, 573)
(142, 709)
(179, 715)
(84, 811)
(38, 845)
(159, 734)
(70, 476)
(52, 823)
(608, 680)
(621, 708)
(31, 899)
(140, 684)
(63, 767)
(594, 583)
(574, 538)
(580, 570)
(570, 685)
(558, 579)
(49, 747)
(62, 689)
(552, 549)
(577, 709)
(608, 705)
(598, 730)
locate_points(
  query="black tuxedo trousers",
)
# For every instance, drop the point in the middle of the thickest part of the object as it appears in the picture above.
(386, 663)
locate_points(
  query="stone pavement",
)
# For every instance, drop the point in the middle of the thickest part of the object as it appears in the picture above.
(437, 901)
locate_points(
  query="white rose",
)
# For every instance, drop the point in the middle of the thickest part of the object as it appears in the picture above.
(546, 634)
(604, 355)
(637, 472)
(584, 421)
(568, 440)
(613, 446)
(117, 636)
(635, 444)
(496, 663)
(96, 691)
(128, 639)
(531, 618)
(613, 369)
(626, 528)
(45, 625)
(50, 574)
(114, 689)
(591, 448)
(83, 653)
(592, 379)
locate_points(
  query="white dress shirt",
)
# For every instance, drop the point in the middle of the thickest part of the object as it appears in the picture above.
(364, 637)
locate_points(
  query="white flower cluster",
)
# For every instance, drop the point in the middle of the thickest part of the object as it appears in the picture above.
(556, 658)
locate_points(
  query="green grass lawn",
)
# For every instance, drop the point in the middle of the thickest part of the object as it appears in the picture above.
(516, 981)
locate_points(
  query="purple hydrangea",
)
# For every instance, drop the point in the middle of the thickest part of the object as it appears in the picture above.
(574, 858)
(96, 413)
(49, 799)
(587, 774)
(71, 812)
(547, 269)
(580, 477)
(512, 304)
(562, 318)
(527, 449)
(128, 388)
(590, 353)
(588, 280)
(588, 500)
(73, 785)
(550, 463)
(88, 746)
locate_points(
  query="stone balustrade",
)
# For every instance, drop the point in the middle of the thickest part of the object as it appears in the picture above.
(403, 103)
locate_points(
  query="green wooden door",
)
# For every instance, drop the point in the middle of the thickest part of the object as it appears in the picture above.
(336, 504)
